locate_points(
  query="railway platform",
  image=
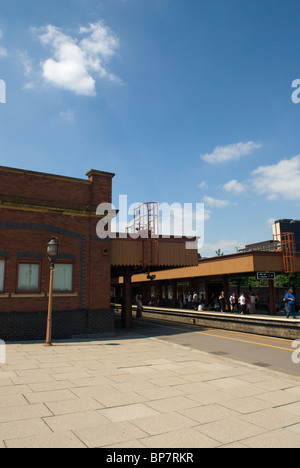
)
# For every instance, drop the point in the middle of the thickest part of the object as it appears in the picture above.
(135, 392)
(260, 324)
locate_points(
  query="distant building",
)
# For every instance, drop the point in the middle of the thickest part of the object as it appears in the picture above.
(287, 225)
(259, 246)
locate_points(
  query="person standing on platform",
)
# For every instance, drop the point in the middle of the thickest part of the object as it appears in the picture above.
(222, 302)
(195, 301)
(232, 301)
(190, 300)
(291, 303)
(252, 303)
(242, 304)
(139, 309)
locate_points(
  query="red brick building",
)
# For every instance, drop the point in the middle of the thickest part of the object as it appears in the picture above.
(33, 208)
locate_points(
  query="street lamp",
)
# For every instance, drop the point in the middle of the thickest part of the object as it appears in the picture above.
(52, 252)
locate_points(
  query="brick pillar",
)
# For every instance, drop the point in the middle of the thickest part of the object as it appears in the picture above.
(272, 298)
(225, 280)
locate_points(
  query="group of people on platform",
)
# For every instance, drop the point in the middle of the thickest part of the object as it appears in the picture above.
(191, 301)
(238, 303)
(235, 303)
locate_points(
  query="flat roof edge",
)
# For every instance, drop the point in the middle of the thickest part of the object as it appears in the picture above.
(43, 174)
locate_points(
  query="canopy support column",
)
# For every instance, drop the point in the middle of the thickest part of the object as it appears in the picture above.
(127, 299)
(272, 298)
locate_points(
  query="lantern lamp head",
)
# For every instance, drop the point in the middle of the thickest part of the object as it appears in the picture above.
(52, 249)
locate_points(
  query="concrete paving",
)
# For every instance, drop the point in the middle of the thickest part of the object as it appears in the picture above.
(129, 391)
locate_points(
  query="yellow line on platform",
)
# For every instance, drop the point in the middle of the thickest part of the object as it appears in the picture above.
(243, 341)
(269, 338)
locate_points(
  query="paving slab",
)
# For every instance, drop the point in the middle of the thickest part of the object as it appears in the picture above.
(181, 439)
(274, 439)
(273, 418)
(229, 430)
(48, 441)
(128, 412)
(132, 391)
(109, 433)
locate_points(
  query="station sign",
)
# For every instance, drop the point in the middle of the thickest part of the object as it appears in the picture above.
(265, 275)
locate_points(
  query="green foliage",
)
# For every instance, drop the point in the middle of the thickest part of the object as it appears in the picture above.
(248, 281)
(288, 280)
(281, 281)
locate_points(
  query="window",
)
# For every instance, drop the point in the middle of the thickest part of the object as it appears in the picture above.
(2, 268)
(63, 277)
(28, 277)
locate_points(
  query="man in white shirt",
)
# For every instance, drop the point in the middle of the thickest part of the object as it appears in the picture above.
(242, 303)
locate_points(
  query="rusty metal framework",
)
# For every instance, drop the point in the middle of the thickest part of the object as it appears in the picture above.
(146, 226)
(150, 252)
(285, 243)
(145, 219)
(146, 223)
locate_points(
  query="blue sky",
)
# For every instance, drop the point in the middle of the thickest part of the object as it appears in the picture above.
(187, 101)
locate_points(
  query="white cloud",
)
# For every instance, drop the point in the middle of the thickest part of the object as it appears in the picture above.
(182, 220)
(26, 62)
(207, 214)
(76, 64)
(234, 186)
(67, 116)
(3, 51)
(280, 180)
(270, 222)
(222, 154)
(100, 41)
(29, 86)
(215, 203)
(226, 246)
(202, 185)
(28, 67)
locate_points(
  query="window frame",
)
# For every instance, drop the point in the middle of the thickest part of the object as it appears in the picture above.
(29, 262)
(56, 266)
(2, 291)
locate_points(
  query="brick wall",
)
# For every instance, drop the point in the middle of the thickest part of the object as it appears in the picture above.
(28, 326)
(25, 230)
(43, 187)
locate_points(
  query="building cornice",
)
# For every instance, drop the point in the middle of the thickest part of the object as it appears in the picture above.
(43, 175)
(48, 207)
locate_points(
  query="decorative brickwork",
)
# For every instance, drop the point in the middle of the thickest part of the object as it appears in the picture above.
(28, 326)
(34, 207)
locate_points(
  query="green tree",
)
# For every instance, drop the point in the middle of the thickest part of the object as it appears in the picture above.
(287, 280)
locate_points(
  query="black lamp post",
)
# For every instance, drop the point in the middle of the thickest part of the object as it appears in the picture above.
(52, 252)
